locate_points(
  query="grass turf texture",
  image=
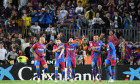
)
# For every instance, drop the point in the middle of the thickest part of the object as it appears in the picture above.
(66, 82)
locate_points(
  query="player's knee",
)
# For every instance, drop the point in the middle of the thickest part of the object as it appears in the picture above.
(99, 67)
(106, 66)
(37, 66)
(93, 67)
(112, 67)
(68, 67)
(62, 70)
(56, 68)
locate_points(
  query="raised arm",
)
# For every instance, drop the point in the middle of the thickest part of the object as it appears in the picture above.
(113, 49)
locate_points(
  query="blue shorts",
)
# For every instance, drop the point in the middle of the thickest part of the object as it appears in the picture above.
(41, 62)
(71, 63)
(96, 62)
(110, 62)
(60, 64)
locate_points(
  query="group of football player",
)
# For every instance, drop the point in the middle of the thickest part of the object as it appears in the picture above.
(69, 49)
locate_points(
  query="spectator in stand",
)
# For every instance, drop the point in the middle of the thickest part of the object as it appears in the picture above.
(22, 3)
(97, 21)
(70, 15)
(53, 36)
(127, 21)
(77, 40)
(35, 28)
(59, 17)
(100, 10)
(17, 40)
(107, 20)
(49, 47)
(49, 16)
(27, 21)
(68, 5)
(111, 6)
(8, 11)
(3, 53)
(1, 36)
(34, 16)
(21, 39)
(112, 38)
(28, 52)
(63, 12)
(82, 22)
(49, 29)
(121, 39)
(102, 36)
(25, 44)
(62, 37)
(12, 56)
(87, 58)
(117, 20)
(42, 18)
(80, 55)
(59, 28)
(73, 25)
(79, 9)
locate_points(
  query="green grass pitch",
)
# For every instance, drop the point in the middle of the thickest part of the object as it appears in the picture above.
(66, 82)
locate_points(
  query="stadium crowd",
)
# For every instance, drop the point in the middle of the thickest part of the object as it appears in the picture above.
(25, 20)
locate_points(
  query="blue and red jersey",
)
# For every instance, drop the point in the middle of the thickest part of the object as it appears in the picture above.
(57, 53)
(71, 51)
(40, 49)
(111, 51)
(97, 45)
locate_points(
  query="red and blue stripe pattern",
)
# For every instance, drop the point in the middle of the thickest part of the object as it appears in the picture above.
(127, 53)
(97, 46)
(39, 50)
(62, 59)
(71, 51)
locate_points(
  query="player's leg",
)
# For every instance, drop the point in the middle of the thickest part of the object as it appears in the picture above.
(38, 73)
(73, 69)
(113, 64)
(56, 70)
(37, 64)
(62, 65)
(99, 63)
(45, 66)
(68, 65)
(93, 65)
(107, 64)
